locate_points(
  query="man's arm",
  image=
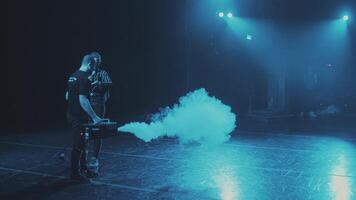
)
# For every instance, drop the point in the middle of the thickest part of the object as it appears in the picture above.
(85, 104)
(106, 96)
(66, 96)
(107, 79)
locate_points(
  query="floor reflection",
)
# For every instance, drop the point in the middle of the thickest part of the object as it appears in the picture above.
(225, 180)
(229, 172)
(340, 186)
(212, 170)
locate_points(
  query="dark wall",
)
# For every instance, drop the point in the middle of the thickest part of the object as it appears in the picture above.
(142, 46)
(155, 52)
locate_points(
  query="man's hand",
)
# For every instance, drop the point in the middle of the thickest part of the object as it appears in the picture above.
(98, 120)
(85, 104)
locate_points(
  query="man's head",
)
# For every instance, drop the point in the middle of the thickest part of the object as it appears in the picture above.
(97, 58)
(88, 63)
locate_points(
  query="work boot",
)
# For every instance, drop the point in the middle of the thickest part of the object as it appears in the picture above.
(89, 173)
(94, 163)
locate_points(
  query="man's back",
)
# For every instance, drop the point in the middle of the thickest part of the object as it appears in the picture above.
(78, 84)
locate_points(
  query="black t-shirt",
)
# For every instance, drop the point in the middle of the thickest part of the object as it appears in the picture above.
(78, 84)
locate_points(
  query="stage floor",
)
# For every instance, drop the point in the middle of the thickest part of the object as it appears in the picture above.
(253, 165)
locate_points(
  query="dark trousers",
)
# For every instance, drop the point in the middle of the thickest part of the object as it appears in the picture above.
(79, 147)
(99, 109)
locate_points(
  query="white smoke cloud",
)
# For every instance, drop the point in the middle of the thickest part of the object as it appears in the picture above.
(197, 118)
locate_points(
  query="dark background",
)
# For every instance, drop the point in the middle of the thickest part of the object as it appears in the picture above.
(155, 52)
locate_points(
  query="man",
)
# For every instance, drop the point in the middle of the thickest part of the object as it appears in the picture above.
(79, 109)
(99, 94)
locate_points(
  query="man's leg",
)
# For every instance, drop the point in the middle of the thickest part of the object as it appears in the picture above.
(97, 147)
(84, 151)
(75, 156)
(77, 149)
(94, 162)
(83, 159)
(99, 108)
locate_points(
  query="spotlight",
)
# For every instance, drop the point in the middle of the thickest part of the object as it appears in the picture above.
(229, 15)
(248, 37)
(221, 14)
(346, 18)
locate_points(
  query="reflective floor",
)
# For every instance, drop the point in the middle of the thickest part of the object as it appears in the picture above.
(253, 165)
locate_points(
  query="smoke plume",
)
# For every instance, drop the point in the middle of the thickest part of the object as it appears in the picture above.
(197, 118)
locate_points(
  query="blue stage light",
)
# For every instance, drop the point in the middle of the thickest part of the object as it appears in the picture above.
(221, 14)
(345, 17)
(248, 37)
(229, 15)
